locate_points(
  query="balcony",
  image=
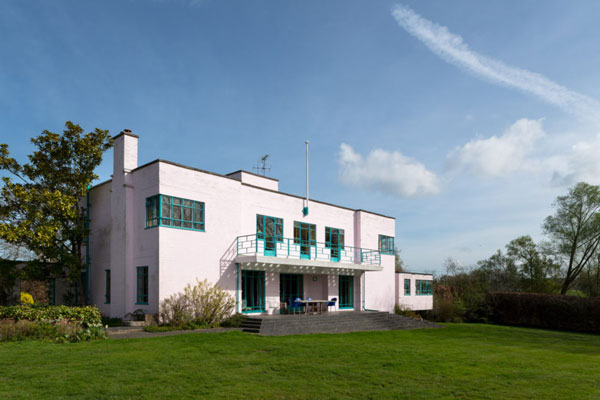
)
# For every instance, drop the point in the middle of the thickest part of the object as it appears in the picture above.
(252, 249)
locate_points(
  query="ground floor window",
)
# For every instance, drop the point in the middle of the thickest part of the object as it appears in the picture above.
(253, 291)
(142, 285)
(346, 291)
(107, 286)
(52, 291)
(424, 287)
(407, 287)
(291, 286)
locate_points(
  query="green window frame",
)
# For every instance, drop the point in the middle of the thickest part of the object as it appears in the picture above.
(386, 244)
(52, 291)
(261, 225)
(303, 226)
(142, 285)
(253, 292)
(107, 286)
(330, 233)
(175, 212)
(424, 287)
(346, 291)
(407, 287)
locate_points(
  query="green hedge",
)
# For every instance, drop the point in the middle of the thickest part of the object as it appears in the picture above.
(547, 311)
(87, 316)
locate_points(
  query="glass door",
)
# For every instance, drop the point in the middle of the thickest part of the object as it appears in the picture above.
(291, 286)
(253, 291)
(269, 230)
(346, 291)
(305, 235)
(334, 240)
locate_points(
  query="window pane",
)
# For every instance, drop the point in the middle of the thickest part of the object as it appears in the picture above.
(166, 222)
(197, 215)
(187, 214)
(166, 206)
(176, 212)
(177, 201)
(198, 226)
(187, 203)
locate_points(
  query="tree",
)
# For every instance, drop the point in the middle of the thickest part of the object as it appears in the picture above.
(43, 210)
(535, 268)
(574, 230)
(398, 261)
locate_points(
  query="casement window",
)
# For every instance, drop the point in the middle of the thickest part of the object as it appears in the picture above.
(142, 285)
(107, 286)
(175, 212)
(424, 288)
(407, 287)
(386, 244)
(270, 228)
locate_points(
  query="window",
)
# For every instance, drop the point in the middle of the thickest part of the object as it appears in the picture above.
(107, 286)
(305, 236)
(162, 210)
(269, 227)
(142, 285)
(334, 240)
(386, 244)
(52, 291)
(407, 287)
(424, 288)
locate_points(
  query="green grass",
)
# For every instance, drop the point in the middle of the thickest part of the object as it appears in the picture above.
(460, 361)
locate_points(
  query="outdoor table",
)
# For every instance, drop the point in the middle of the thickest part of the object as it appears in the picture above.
(309, 302)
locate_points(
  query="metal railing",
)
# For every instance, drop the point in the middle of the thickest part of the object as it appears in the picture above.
(304, 250)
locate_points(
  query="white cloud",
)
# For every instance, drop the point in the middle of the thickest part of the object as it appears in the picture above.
(451, 48)
(582, 163)
(500, 155)
(387, 172)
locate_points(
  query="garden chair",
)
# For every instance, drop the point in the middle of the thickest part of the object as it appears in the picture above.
(331, 303)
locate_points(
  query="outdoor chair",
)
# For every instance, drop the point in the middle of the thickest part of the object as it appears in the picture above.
(332, 303)
(298, 306)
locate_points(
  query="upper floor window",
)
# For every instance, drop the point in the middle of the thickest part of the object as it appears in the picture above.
(424, 287)
(407, 287)
(386, 244)
(162, 210)
(269, 228)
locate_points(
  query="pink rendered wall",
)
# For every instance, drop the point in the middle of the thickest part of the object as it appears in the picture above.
(176, 257)
(412, 301)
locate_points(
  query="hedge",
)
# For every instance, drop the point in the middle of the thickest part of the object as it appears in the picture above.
(547, 311)
(87, 316)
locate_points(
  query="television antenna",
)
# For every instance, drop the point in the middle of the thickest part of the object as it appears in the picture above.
(261, 166)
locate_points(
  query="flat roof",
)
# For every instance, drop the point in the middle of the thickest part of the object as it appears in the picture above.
(252, 173)
(158, 160)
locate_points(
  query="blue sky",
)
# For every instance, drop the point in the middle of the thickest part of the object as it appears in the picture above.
(462, 119)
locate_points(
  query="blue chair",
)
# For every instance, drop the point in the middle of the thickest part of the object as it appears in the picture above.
(298, 306)
(331, 303)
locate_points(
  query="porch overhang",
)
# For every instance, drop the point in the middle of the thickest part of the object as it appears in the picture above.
(302, 266)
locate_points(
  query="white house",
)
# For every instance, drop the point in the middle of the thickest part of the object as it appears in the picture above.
(157, 227)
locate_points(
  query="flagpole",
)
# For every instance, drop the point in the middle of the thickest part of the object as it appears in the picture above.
(305, 209)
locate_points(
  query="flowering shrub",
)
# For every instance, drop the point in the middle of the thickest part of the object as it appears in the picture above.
(202, 304)
(26, 298)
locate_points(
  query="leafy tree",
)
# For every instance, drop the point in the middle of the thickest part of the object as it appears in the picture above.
(41, 205)
(499, 273)
(574, 230)
(535, 268)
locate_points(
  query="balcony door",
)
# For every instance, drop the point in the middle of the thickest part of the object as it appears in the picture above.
(291, 286)
(269, 231)
(334, 241)
(306, 236)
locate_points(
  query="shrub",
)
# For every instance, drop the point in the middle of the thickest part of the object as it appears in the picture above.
(202, 304)
(446, 310)
(548, 311)
(58, 323)
(406, 312)
(26, 298)
(235, 321)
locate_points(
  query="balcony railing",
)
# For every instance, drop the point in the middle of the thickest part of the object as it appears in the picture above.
(306, 250)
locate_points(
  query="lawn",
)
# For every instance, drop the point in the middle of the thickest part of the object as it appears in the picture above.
(459, 361)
